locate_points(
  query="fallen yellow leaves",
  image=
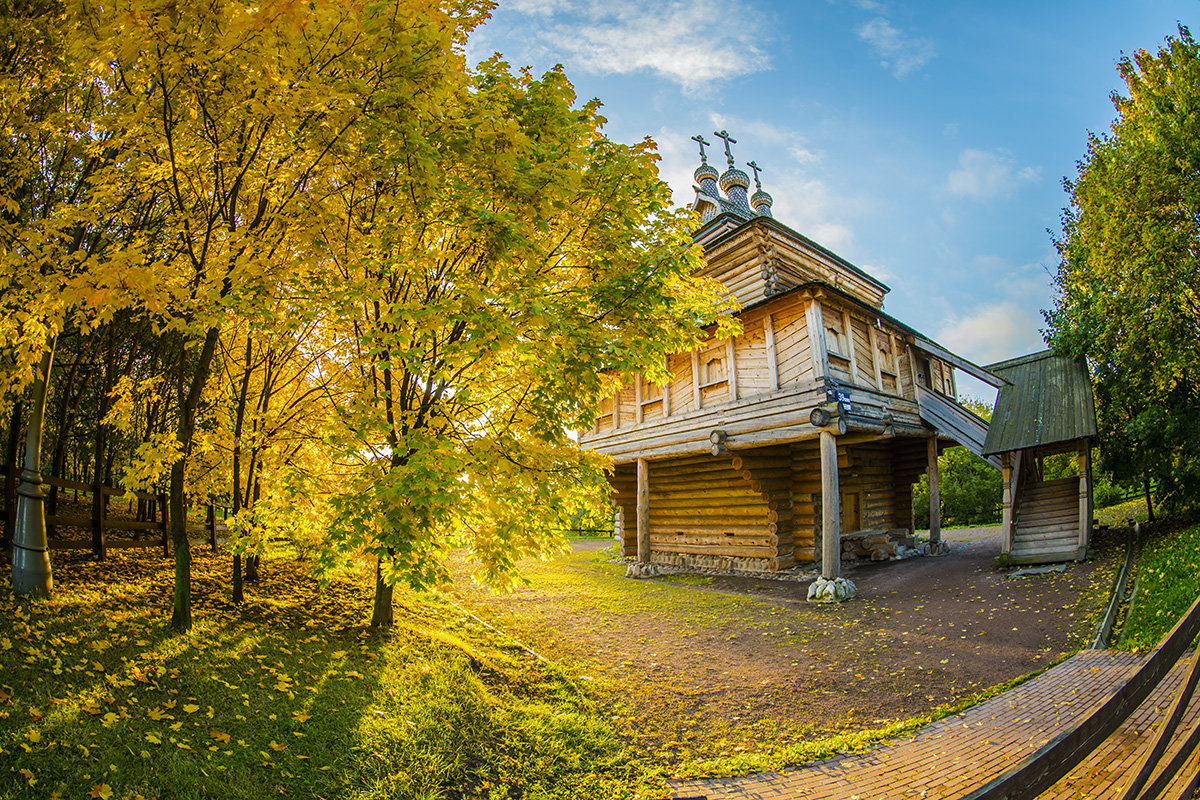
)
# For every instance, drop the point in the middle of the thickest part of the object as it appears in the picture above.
(101, 790)
(219, 736)
(276, 746)
(190, 708)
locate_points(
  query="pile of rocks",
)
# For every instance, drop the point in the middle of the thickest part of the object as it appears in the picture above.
(881, 546)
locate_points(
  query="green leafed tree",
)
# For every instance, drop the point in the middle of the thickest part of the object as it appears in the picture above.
(971, 488)
(506, 256)
(1128, 286)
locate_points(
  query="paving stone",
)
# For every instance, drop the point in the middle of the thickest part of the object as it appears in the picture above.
(953, 756)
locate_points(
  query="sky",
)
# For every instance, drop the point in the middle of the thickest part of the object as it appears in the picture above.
(925, 142)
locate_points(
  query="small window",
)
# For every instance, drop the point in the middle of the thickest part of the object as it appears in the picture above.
(714, 370)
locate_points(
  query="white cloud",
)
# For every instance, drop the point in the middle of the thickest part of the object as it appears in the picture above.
(897, 51)
(691, 43)
(993, 332)
(987, 175)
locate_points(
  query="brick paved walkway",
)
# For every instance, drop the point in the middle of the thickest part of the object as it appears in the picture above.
(951, 757)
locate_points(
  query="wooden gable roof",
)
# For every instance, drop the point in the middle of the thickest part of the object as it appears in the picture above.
(1048, 400)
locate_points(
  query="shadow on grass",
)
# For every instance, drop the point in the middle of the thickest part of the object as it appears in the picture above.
(289, 695)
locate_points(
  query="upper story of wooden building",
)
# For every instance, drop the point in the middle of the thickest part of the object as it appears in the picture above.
(813, 331)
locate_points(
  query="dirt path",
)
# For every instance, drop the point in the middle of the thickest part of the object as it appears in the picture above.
(709, 666)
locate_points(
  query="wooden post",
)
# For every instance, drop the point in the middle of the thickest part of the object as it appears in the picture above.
(1085, 497)
(696, 398)
(831, 509)
(616, 409)
(816, 338)
(638, 413)
(666, 389)
(849, 329)
(935, 495)
(875, 359)
(643, 511)
(1006, 521)
(731, 368)
(772, 353)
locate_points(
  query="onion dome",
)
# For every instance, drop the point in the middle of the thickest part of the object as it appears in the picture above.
(734, 183)
(762, 202)
(706, 176)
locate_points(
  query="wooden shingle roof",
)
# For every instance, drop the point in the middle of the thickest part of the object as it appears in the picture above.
(1048, 401)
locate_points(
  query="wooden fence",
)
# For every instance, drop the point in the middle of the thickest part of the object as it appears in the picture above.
(150, 517)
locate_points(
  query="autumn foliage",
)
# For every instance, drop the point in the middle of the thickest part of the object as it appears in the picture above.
(301, 258)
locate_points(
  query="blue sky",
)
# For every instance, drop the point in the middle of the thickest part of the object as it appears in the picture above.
(924, 142)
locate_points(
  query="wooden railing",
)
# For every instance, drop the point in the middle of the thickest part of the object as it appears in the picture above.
(152, 515)
(1053, 761)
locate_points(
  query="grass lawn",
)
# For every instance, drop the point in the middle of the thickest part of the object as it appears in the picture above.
(1168, 582)
(289, 695)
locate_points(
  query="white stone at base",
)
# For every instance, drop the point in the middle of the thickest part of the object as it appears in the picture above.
(823, 590)
(639, 570)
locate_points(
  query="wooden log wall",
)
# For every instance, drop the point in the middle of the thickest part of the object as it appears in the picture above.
(706, 512)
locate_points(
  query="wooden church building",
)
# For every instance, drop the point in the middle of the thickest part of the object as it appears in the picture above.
(797, 437)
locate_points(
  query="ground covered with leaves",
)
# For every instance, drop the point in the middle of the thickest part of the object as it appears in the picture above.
(713, 675)
(287, 695)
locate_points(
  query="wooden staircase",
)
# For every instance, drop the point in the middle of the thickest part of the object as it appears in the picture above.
(1047, 523)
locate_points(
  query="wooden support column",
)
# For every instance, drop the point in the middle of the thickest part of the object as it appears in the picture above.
(874, 343)
(772, 353)
(1006, 520)
(638, 412)
(831, 509)
(643, 511)
(935, 495)
(731, 372)
(816, 338)
(666, 390)
(696, 399)
(849, 329)
(616, 409)
(1085, 497)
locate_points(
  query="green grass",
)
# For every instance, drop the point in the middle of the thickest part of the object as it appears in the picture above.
(288, 695)
(1117, 514)
(1168, 583)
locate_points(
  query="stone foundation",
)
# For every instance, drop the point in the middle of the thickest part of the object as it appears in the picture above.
(724, 563)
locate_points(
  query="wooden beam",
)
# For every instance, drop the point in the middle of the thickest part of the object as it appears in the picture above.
(696, 378)
(935, 493)
(638, 414)
(831, 509)
(1085, 497)
(666, 389)
(731, 367)
(966, 366)
(849, 332)
(617, 409)
(772, 353)
(874, 342)
(816, 338)
(1006, 520)
(643, 511)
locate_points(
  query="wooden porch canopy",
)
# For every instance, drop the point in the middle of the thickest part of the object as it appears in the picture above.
(1045, 407)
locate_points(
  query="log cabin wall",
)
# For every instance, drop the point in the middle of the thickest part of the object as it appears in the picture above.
(707, 512)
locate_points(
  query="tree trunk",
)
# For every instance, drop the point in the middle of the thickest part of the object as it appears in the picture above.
(10, 475)
(239, 423)
(383, 615)
(181, 617)
(30, 562)
(1149, 500)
